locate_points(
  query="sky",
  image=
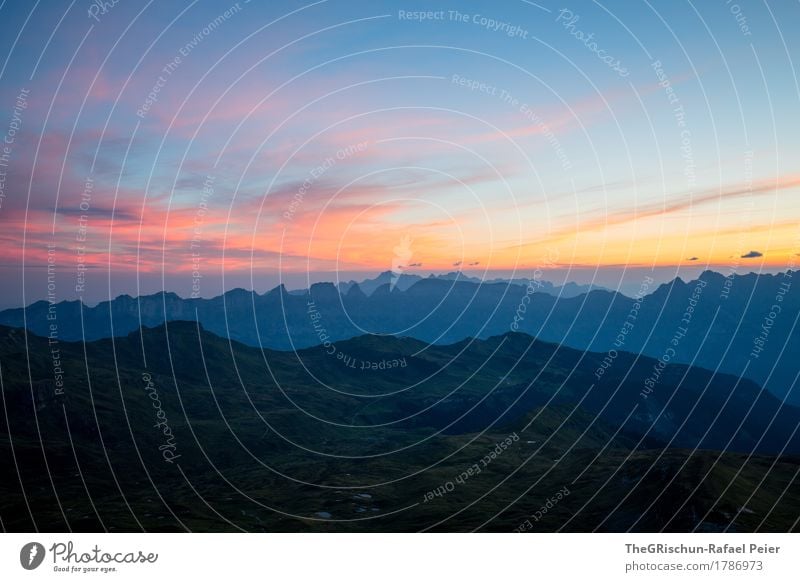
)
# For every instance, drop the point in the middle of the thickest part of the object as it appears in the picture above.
(201, 146)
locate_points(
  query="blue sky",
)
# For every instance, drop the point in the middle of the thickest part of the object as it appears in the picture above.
(499, 137)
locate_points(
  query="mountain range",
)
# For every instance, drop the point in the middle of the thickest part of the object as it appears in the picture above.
(743, 325)
(403, 281)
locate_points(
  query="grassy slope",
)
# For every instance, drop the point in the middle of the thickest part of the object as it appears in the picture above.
(228, 479)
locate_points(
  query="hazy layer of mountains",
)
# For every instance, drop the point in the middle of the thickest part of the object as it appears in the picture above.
(403, 281)
(358, 437)
(743, 325)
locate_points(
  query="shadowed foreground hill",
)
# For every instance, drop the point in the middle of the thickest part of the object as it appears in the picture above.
(175, 428)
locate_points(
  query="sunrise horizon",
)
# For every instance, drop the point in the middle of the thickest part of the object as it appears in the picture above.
(487, 159)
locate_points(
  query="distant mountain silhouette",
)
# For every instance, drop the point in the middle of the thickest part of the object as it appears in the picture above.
(405, 280)
(744, 325)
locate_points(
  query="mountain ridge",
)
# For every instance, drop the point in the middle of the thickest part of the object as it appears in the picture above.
(726, 319)
(350, 439)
